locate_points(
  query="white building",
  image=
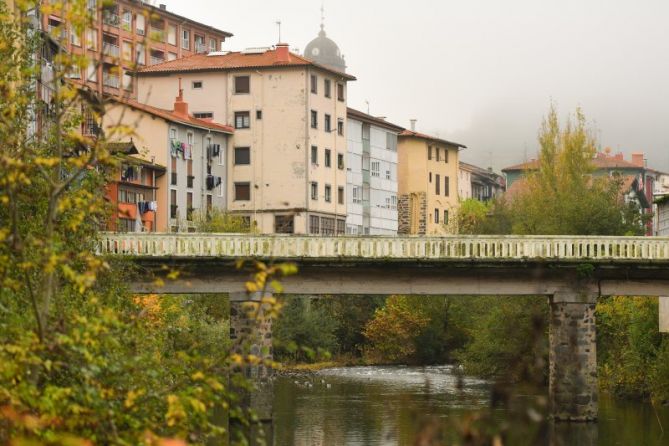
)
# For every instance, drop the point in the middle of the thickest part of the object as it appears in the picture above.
(464, 183)
(371, 178)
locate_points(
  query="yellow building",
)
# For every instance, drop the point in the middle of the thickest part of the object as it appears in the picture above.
(428, 183)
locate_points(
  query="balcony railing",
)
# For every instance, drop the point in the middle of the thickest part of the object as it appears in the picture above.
(110, 18)
(109, 49)
(156, 60)
(201, 48)
(110, 80)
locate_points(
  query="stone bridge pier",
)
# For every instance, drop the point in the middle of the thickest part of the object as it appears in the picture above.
(573, 357)
(251, 336)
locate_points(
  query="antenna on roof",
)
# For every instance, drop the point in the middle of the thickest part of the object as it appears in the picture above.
(367, 102)
(322, 15)
(278, 23)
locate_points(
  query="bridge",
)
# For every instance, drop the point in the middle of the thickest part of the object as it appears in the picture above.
(571, 272)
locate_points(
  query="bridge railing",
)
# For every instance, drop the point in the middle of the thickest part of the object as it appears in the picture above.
(478, 248)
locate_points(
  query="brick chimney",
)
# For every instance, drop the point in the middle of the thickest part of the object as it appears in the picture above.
(180, 107)
(637, 159)
(282, 53)
(619, 156)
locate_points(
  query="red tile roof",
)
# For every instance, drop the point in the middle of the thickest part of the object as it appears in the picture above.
(169, 115)
(234, 61)
(410, 133)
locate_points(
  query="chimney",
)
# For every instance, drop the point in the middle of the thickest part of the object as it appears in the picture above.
(413, 124)
(637, 159)
(181, 107)
(282, 53)
(163, 6)
(619, 156)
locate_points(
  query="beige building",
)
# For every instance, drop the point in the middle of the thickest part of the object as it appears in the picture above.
(428, 169)
(194, 152)
(287, 160)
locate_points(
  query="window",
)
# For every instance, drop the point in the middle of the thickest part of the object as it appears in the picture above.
(189, 206)
(328, 193)
(327, 226)
(430, 177)
(393, 202)
(196, 85)
(327, 86)
(314, 84)
(376, 167)
(328, 158)
(92, 72)
(172, 34)
(314, 190)
(391, 142)
(388, 176)
(242, 120)
(446, 155)
(92, 39)
(126, 20)
(314, 225)
(340, 195)
(242, 191)
(75, 39)
(314, 155)
(429, 152)
(213, 45)
(437, 184)
(340, 92)
(242, 156)
(445, 217)
(210, 203)
(173, 134)
(340, 127)
(340, 161)
(436, 216)
(189, 174)
(140, 24)
(314, 119)
(140, 54)
(447, 186)
(258, 115)
(185, 39)
(242, 84)
(203, 115)
(284, 224)
(199, 44)
(173, 204)
(357, 194)
(341, 227)
(173, 180)
(328, 123)
(438, 154)
(126, 81)
(127, 51)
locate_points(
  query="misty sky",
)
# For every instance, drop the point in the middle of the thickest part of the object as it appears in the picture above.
(483, 72)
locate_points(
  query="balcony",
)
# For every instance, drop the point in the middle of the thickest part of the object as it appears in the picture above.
(156, 60)
(111, 80)
(110, 49)
(111, 18)
(201, 48)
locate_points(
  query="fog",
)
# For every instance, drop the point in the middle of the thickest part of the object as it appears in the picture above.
(484, 72)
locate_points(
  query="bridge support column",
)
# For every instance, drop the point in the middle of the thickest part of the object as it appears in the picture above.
(573, 357)
(251, 335)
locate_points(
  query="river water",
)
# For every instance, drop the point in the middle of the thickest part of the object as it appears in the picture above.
(379, 406)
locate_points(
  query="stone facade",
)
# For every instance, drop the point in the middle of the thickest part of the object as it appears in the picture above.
(573, 360)
(412, 213)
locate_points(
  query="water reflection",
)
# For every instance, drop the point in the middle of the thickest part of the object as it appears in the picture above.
(382, 406)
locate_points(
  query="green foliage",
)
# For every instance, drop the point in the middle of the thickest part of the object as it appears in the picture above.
(218, 221)
(632, 353)
(471, 216)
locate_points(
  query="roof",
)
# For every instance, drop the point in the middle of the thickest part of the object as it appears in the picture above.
(598, 163)
(411, 133)
(123, 148)
(356, 114)
(161, 11)
(170, 116)
(234, 61)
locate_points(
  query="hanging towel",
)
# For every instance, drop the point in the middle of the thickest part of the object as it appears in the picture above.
(153, 206)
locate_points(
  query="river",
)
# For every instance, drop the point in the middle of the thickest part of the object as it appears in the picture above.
(383, 406)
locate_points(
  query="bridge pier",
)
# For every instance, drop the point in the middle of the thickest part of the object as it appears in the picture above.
(573, 357)
(251, 335)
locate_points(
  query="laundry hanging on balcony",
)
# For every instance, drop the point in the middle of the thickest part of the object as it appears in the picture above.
(175, 147)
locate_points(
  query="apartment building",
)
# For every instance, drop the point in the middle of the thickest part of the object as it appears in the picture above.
(428, 183)
(125, 35)
(479, 183)
(133, 192)
(371, 177)
(287, 160)
(193, 151)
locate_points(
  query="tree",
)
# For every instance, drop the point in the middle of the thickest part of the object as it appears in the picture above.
(217, 221)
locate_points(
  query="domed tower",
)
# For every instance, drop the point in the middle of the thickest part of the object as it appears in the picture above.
(324, 51)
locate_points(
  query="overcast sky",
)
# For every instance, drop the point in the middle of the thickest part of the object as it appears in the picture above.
(483, 72)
